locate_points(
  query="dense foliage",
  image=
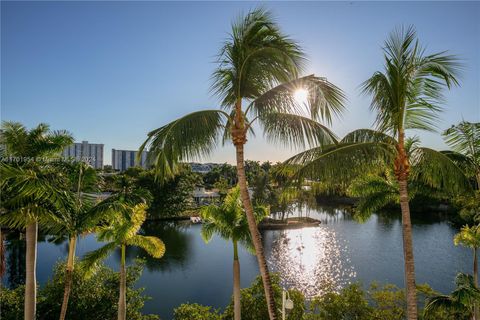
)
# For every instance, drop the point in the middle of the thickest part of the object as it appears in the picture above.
(168, 198)
(91, 298)
(378, 302)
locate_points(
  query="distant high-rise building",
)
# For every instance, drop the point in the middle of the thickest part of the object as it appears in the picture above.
(88, 152)
(124, 159)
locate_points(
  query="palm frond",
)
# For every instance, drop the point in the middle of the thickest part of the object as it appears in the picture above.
(91, 260)
(436, 170)
(254, 58)
(294, 130)
(153, 245)
(324, 99)
(368, 135)
(408, 93)
(468, 237)
(342, 162)
(374, 193)
(192, 136)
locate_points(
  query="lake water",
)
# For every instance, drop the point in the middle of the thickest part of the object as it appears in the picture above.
(338, 252)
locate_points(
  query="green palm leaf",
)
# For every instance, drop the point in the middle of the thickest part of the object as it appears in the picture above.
(374, 193)
(92, 259)
(342, 162)
(437, 170)
(154, 246)
(255, 58)
(294, 130)
(324, 100)
(192, 136)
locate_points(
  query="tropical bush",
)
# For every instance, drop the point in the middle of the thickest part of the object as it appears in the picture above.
(170, 198)
(254, 304)
(378, 302)
(92, 298)
(196, 311)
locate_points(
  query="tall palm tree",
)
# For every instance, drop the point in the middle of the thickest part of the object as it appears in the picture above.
(82, 215)
(229, 221)
(470, 237)
(120, 233)
(459, 304)
(406, 95)
(28, 149)
(258, 67)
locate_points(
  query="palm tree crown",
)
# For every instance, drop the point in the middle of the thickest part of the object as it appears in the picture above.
(228, 220)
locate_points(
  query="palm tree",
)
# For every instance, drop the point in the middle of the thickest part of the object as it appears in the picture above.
(27, 149)
(464, 139)
(432, 174)
(470, 237)
(258, 65)
(229, 221)
(459, 304)
(407, 95)
(121, 232)
(82, 216)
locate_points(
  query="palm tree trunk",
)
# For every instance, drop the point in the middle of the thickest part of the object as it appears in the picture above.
(237, 308)
(402, 169)
(122, 300)
(68, 276)
(408, 252)
(31, 264)
(252, 225)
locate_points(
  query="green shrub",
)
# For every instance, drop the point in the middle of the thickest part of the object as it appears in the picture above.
(350, 303)
(91, 298)
(254, 304)
(195, 311)
(11, 303)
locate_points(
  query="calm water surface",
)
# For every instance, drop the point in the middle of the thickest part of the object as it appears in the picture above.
(338, 252)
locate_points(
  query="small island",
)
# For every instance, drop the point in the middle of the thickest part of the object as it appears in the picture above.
(288, 223)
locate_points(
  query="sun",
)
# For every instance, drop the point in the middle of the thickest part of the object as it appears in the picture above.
(301, 96)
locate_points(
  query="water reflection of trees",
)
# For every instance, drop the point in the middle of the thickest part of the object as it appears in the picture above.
(177, 242)
(15, 259)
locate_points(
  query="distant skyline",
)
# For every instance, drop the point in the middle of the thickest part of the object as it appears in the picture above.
(109, 72)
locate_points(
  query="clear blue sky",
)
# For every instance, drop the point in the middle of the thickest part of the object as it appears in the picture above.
(109, 72)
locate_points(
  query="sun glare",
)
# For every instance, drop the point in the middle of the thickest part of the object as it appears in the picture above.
(301, 96)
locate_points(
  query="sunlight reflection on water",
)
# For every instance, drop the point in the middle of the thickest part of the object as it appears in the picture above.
(311, 260)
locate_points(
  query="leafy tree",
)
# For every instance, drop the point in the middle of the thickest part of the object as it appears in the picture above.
(224, 171)
(190, 311)
(259, 65)
(406, 95)
(229, 221)
(464, 139)
(120, 233)
(350, 303)
(169, 198)
(254, 303)
(31, 190)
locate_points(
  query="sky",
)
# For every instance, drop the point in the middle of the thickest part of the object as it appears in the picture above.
(110, 72)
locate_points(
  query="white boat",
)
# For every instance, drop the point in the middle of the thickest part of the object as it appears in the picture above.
(195, 220)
